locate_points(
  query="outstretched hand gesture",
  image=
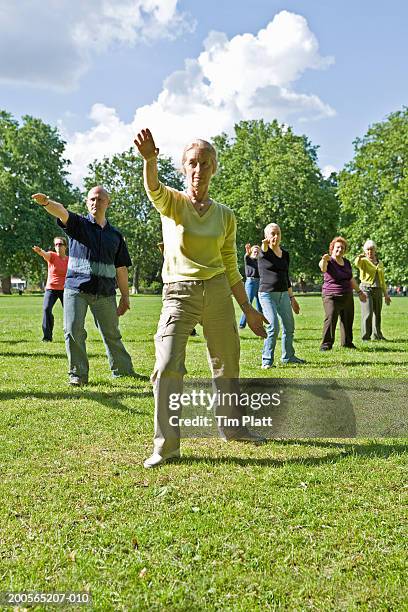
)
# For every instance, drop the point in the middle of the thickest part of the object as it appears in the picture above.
(145, 145)
(40, 198)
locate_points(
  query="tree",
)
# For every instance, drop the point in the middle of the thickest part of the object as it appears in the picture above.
(373, 191)
(131, 210)
(31, 159)
(269, 174)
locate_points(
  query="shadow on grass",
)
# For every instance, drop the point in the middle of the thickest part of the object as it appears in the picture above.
(374, 348)
(345, 449)
(350, 363)
(111, 401)
(41, 354)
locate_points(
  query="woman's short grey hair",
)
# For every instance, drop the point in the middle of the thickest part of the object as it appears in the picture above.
(198, 143)
(269, 226)
(369, 244)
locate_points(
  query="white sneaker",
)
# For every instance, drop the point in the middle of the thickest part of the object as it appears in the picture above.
(155, 460)
(267, 366)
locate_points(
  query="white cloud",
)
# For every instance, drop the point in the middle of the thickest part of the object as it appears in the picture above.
(247, 77)
(328, 169)
(51, 43)
(109, 136)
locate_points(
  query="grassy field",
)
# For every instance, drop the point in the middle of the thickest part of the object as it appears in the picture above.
(291, 525)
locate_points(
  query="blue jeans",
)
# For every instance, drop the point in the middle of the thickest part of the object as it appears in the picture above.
(50, 297)
(276, 305)
(106, 319)
(251, 288)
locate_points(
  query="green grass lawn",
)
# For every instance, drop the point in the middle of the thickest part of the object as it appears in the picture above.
(290, 525)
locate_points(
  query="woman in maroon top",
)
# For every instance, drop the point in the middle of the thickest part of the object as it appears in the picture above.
(337, 294)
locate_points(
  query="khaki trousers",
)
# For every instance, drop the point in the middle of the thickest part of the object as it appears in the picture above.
(185, 304)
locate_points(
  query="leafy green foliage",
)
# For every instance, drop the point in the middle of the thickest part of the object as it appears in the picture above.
(269, 174)
(131, 210)
(31, 160)
(373, 190)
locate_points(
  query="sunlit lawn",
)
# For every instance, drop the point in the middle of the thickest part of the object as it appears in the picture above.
(293, 524)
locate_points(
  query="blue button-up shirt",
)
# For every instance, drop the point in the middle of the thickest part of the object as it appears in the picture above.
(94, 254)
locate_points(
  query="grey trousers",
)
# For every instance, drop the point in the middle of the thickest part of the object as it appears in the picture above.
(185, 304)
(371, 313)
(103, 308)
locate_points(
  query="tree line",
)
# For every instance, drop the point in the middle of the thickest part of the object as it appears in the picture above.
(266, 173)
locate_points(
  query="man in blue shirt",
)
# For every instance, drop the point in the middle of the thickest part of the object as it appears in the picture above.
(98, 262)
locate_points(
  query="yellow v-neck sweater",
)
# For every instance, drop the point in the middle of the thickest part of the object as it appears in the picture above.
(195, 248)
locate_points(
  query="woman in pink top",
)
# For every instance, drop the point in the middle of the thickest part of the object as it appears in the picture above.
(54, 290)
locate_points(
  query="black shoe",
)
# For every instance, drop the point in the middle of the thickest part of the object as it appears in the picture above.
(46, 340)
(324, 347)
(350, 346)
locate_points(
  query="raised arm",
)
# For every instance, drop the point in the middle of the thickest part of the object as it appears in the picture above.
(42, 253)
(53, 208)
(323, 262)
(148, 150)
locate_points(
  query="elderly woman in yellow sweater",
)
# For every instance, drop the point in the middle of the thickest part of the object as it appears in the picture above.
(372, 282)
(200, 272)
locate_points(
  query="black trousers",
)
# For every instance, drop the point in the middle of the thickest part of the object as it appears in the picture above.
(336, 306)
(50, 297)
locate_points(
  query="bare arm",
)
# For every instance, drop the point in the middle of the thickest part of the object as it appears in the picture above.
(323, 262)
(148, 150)
(293, 301)
(42, 253)
(361, 294)
(122, 278)
(53, 208)
(254, 318)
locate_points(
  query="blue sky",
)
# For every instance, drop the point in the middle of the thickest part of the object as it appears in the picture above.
(102, 69)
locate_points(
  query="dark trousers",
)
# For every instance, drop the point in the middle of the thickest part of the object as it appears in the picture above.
(336, 306)
(371, 307)
(50, 297)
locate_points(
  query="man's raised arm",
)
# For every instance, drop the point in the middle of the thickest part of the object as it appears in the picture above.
(53, 208)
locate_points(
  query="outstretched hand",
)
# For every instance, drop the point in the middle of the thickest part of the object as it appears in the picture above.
(145, 144)
(256, 322)
(37, 250)
(40, 198)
